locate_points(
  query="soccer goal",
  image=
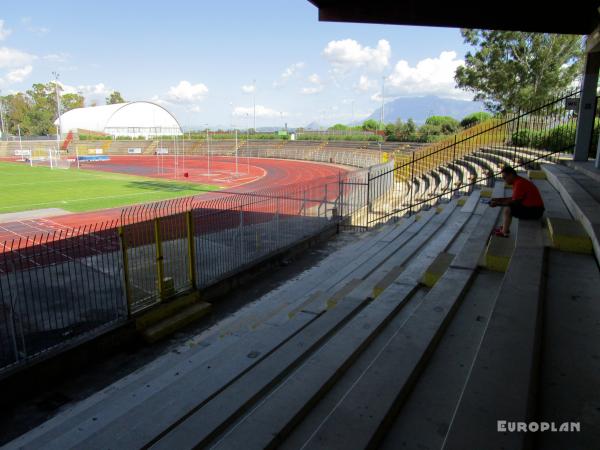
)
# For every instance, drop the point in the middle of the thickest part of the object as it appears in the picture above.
(49, 157)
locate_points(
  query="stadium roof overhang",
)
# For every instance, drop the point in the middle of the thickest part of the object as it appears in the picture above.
(576, 17)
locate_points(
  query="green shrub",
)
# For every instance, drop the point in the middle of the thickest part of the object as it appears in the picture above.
(474, 119)
(447, 124)
(561, 138)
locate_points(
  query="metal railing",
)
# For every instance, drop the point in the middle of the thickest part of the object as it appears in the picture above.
(437, 172)
(59, 287)
(54, 289)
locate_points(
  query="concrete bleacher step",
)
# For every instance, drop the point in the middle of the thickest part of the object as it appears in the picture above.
(569, 235)
(536, 174)
(436, 269)
(172, 323)
(501, 382)
(499, 252)
(165, 310)
(588, 168)
(302, 430)
(220, 367)
(218, 413)
(362, 416)
(423, 420)
(582, 205)
(496, 158)
(318, 374)
(569, 384)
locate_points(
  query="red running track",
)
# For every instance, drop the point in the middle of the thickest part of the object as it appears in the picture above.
(254, 174)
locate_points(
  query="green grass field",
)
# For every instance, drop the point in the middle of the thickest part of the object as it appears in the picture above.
(24, 188)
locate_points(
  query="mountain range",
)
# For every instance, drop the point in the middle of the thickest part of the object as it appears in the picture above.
(420, 108)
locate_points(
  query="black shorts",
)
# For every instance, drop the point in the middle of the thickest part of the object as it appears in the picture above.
(526, 213)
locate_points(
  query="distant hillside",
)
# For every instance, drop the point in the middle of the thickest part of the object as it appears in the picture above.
(314, 126)
(420, 108)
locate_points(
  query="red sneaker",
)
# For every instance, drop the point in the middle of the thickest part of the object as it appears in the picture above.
(500, 233)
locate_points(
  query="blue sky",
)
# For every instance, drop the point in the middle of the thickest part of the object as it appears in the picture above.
(199, 59)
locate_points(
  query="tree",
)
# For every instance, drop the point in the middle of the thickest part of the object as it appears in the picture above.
(390, 129)
(71, 101)
(474, 119)
(339, 127)
(446, 124)
(39, 119)
(114, 97)
(370, 125)
(512, 71)
(34, 111)
(16, 107)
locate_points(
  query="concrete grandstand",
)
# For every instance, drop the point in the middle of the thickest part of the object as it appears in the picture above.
(426, 331)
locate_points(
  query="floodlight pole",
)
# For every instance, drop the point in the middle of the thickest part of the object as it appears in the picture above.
(183, 151)
(382, 103)
(254, 102)
(59, 125)
(236, 154)
(2, 116)
(208, 150)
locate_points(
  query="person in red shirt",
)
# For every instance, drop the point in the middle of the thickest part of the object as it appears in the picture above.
(526, 202)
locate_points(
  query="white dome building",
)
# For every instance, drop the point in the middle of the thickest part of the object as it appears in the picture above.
(131, 119)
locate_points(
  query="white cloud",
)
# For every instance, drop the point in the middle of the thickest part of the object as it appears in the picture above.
(18, 75)
(159, 101)
(314, 78)
(186, 92)
(195, 109)
(10, 57)
(364, 84)
(317, 85)
(376, 97)
(288, 73)
(87, 90)
(311, 90)
(56, 57)
(4, 32)
(430, 76)
(40, 31)
(261, 111)
(248, 88)
(291, 70)
(348, 54)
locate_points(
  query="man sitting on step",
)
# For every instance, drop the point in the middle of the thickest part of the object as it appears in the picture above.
(526, 202)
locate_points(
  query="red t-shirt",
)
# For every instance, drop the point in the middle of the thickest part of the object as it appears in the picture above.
(525, 191)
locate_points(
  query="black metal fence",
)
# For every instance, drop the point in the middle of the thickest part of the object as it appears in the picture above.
(474, 157)
(60, 287)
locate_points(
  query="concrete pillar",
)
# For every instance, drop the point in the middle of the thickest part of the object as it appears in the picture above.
(587, 104)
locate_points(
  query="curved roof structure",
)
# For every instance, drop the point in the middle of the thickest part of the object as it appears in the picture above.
(122, 119)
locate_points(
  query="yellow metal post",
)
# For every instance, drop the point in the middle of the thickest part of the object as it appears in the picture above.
(125, 269)
(159, 258)
(191, 248)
